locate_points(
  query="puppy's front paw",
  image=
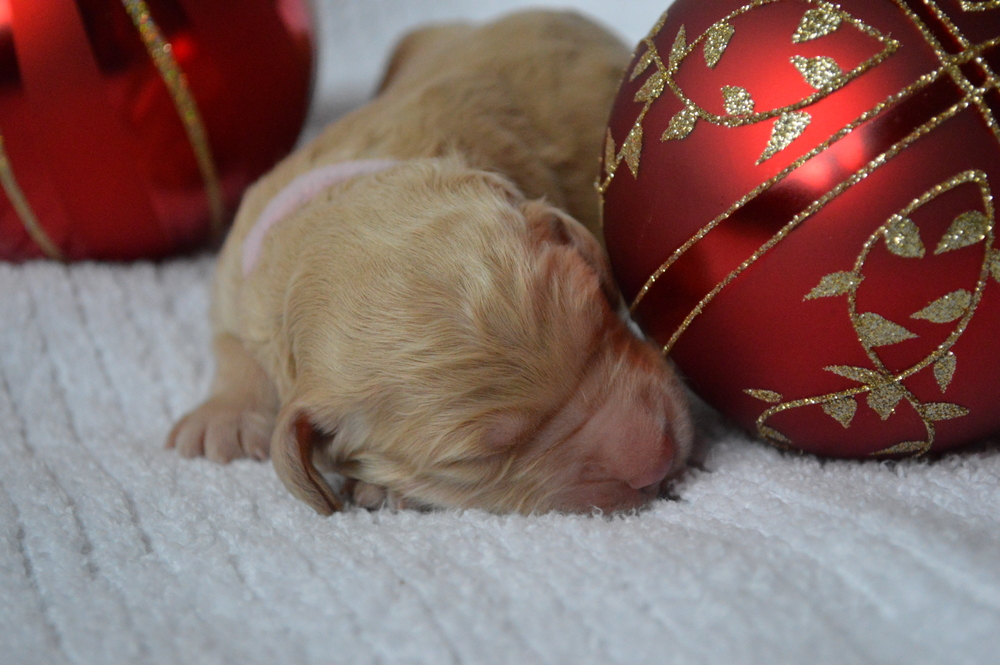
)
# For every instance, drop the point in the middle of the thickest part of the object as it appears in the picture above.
(223, 430)
(373, 497)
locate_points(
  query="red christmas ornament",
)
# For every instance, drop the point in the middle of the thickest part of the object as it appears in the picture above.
(798, 202)
(130, 128)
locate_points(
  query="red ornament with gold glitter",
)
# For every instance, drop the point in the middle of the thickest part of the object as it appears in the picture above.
(798, 202)
(130, 128)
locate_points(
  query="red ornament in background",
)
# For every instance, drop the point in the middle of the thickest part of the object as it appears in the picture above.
(798, 202)
(130, 128)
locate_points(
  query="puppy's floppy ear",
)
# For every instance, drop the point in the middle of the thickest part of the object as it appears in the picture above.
(292, 444)
(550, 225)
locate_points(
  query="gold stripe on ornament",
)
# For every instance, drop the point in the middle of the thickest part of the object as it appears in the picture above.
(950, 68)
(991, 82)
(885, 391)
(23, 209)
(683, 123)
(162, 55)
(943, 56)
(969, 53)
(979, 5)
(948, 23)
(811, 210)
(921, 83)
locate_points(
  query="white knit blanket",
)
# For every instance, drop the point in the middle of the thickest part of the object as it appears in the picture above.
(113, 550)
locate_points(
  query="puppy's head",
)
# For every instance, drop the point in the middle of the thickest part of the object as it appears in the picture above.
(479, 360)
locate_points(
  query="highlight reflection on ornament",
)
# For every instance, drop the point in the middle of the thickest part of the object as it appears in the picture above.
(131, 127)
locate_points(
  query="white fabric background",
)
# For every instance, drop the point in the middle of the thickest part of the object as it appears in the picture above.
(113, 550)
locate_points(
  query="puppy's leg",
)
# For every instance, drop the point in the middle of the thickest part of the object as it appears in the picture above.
(238, 417)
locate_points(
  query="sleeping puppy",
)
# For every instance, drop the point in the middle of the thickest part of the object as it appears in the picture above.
(403, 301)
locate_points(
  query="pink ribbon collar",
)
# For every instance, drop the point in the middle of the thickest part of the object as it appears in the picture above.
(299, 192)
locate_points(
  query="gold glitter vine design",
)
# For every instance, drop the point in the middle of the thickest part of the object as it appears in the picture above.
(978, 5)
(950, 67)
(816, 24)
(23, 208)
(811, 210)
(162, 54)
(822, 73)
(884, 388)
(922, 83)
(909, 91)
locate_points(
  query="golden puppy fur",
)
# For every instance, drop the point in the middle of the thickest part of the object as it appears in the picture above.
(440, 329)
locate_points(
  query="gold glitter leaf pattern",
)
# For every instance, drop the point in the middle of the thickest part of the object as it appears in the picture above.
(774, 434)
(652, 88)
(884, 399)
(768, 396)
(716, 40)
(835, 284)
(876, 330)
(942, 411)
(681, 125)
(610, 163)
(885, 386)
(859, 374)
(842, 410)
(994, 261)
(818, 23)
(905, 448)
(679, 48)
(902, 238)
(644, 62)
(788, 127)
(632, 149)
(822, 73)
(737, 100)
(946, 308)
(968, 229)
(944, 370)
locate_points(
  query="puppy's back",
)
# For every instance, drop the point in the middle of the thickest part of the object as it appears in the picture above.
(527, 96)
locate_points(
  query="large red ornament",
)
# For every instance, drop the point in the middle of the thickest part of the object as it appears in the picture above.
(130, 128)
(798, 202)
